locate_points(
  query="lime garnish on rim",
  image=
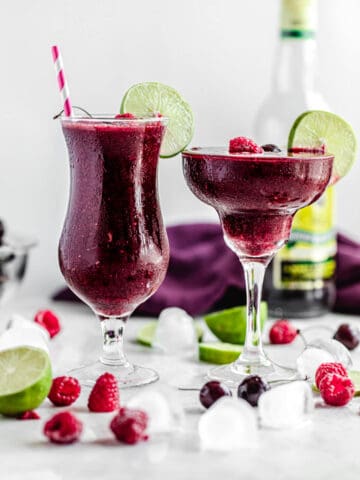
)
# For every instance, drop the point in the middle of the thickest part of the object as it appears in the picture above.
(25, 379)
(316, 128)
(151, 98)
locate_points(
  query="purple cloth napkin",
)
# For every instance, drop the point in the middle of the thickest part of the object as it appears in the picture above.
(205, 275)
(347, 276)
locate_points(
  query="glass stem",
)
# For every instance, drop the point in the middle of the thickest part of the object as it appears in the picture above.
(253, 353)
(113, 349)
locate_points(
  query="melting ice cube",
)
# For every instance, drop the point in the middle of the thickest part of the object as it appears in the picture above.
(175, 333)
(164, 411)
(21, 332)
(319, 351)
(229, 424)
(286, 406)
(336, 349)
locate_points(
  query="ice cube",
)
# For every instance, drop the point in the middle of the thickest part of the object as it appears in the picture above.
(229, 424)
(339, 352)
(19, 321)
(320, 351)
(286, 406)
(309, 360)
(162, 406)
(157, 450)
(21, 332)
(175, 333)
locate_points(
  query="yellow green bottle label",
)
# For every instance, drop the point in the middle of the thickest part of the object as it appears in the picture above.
(308, 259)
(298, 18)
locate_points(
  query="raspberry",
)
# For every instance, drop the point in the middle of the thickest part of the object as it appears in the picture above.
(48, 320)
(104, 397)
(336, 390)
(129, 425)
(29, 415)
(244, 145)
(330, 367)
(63, 427)
(64, 391)
(124, 115)
(282, 332)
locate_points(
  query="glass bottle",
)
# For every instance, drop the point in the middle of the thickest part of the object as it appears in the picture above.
(300, 280)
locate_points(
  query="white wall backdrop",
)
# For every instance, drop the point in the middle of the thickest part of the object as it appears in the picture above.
(217, 53)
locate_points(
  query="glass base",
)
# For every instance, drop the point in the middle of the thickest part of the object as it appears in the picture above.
(127, 375)
(234, 373)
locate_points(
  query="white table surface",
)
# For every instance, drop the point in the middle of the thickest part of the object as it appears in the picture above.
(326, 448)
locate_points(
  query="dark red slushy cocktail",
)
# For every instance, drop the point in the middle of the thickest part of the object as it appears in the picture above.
(113, 250)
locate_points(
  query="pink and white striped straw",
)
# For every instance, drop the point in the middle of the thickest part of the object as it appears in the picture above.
(64, 89)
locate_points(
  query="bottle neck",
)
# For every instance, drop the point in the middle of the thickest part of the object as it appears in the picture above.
(296, 57)
(298, 19)
(295, 66)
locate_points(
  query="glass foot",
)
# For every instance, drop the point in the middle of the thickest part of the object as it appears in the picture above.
(234, 373)
(127, 375)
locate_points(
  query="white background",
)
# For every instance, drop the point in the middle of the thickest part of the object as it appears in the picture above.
(217, 53)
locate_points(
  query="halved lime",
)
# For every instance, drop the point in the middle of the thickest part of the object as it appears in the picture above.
(219, 352)
(315, 128)
(146, 334)
(355, 377)
(230, 325)
(149, 98)
(25, 379)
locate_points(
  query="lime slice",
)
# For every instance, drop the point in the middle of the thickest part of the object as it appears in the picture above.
(316, 128)
(355, 377)
(25, 379)
(149, 98)
(146, 334)
(219, 352)
(230, 325)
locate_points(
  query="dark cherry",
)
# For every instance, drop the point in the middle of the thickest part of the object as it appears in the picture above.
(251, 388)
(348, 336)
(270, 147)
(212, 391)
(2, 231)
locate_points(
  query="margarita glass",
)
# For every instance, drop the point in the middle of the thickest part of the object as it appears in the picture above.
(256, 197)
(113, 250)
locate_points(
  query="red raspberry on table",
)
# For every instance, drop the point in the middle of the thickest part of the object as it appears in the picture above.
(29, 415)
(64, 391)
(336, 390)
(244, 145)
(63, 427)
(129, 425)
(104, 397)
(124, 115)
(282, 332)
(329, 367)
(48, 320)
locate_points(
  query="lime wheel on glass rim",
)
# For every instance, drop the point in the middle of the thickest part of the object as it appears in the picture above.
(154, 98)
(325, 132)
